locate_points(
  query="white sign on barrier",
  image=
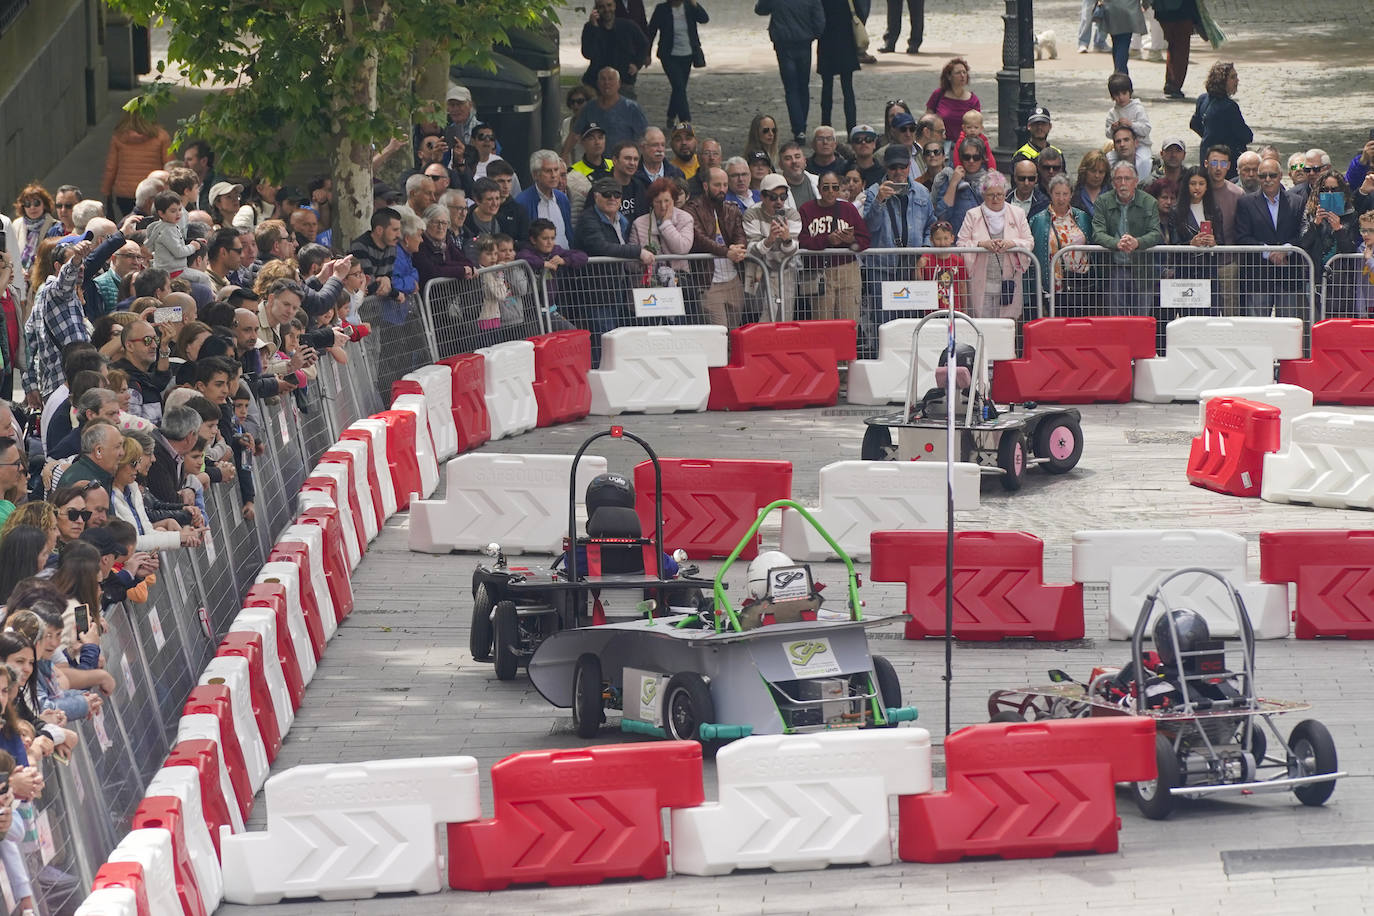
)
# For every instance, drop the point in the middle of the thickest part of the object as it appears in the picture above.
(910, 295)
(1185, 295)
(658, 302)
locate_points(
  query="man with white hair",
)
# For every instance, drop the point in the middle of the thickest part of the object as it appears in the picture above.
(1317, 168)
(653, 158)
(543, 200)
(1247, 171)
(147, 189)
(1126, 223)
(420, 194)
(84, 212)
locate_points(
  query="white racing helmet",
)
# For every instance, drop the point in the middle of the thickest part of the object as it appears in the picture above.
(759, 568)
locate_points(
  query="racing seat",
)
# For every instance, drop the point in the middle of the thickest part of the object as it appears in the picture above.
(616, 544)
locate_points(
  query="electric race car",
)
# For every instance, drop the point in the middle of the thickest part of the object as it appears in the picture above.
(1213, 730)
(784, 663)
(614, 572)
(1003, 441)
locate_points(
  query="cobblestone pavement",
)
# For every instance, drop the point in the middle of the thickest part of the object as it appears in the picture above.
(397, 682)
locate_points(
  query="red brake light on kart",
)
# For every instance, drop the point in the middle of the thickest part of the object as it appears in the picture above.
(617, 432)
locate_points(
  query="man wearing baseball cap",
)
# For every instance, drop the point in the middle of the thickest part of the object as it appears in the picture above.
(863, 139)
(461, 116)
(899, 214)
(1171, 157)
(593, 163)
(1038, 128)
(772, 230)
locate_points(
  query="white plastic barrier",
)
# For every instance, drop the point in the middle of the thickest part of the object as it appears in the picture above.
(313, 539)
(366, 499)
(858, 498)
(437, 384)
(884, 380)
(203, 726)
(152, 849)
(351, 830)
(1203, 353)
(264, 622)
(109, 901)
(792, 802)
(376, 430)
(287, 575)
(518, 501)
(657, 370)
(508, 374)
(1329, 462)
(183, 783)
(1291, 400)
(425, 450)
(354, 539)
(232, 672)
(1131, 563)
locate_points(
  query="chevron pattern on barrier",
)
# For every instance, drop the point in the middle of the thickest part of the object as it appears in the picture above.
(561, 363)
(469, 399)
(1076, 360)
(1028, 790)
(884, 380)
(1204, 353)
(1329, 462)
(657, 370)
(783, 366)
(576, 817)
(1334, 575)
(1341, 368)
(1229, 455)
(708, 504)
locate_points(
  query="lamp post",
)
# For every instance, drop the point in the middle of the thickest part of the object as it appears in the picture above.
(1016, 79)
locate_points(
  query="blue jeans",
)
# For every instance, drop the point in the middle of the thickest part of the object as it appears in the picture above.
(794, 66)
(1121, 51)
(1086, 28)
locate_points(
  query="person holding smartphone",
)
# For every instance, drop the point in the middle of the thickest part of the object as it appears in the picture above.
(1330, 221)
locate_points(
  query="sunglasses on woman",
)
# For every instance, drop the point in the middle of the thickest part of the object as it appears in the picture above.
(79, 515)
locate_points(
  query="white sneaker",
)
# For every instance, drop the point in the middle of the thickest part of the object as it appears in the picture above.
(1082, 49)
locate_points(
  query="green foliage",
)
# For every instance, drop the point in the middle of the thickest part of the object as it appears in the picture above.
(299, 72)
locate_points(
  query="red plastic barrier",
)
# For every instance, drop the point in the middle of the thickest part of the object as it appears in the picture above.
(1334, 573)
(576, 817)
(360, 435)
(128, 875)
(336, 456)
(1341, 369)
(248, 646)
(1229, 455)
(1076, 360)
(330, 487)
(214, 700)
(783, 365)
(1028, 790)
(204, 756)
(708, 504)
(999, 588)
(469, 399)
(165, 812)
(561, 363)
(336, 571)
(297, 553)
(400, 454)
(273, 597)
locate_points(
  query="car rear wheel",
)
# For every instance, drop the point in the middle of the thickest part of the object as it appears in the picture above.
(507, 633)
(1314, 752)
(1011, 458)
(877, 444)
(687, 706)
(479, 634)
(1059, 444)
(1154, 797)
(588, 709)
(1008, 715)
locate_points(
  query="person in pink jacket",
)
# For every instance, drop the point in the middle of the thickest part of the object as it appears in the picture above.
(665, 229)
(995, 277)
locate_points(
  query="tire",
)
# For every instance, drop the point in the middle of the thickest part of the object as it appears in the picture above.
(507, 637)
(1311, 744)
(479, 634)
(1011, 457)
(687, 705)
(877, 444)
(1059, 444)
(1007, 715)
(1259, 742)
(889, 687)
(1152, 796)
(588, 709)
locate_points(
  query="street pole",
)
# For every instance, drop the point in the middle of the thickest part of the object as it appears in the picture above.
(1016, 79)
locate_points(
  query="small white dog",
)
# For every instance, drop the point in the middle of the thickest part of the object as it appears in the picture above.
(1045, 46)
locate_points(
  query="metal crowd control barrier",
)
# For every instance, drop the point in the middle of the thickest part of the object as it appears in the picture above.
(871, 286)
(1347, 287)
(156, 650)
(503, 302)
(1171, 281)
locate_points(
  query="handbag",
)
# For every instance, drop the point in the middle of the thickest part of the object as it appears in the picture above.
(860, 32)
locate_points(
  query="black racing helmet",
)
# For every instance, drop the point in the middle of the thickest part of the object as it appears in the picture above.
(609, 490)
(1192, 631)
(964, 355)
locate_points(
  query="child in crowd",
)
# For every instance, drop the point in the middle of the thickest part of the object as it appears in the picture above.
(196, 478)
(343, 314)
(947, 270)
(972, 129)
(549, 262)
(1126, 107)
(131, 576)
(291, 342)
(496, 290)
(512, 310)
(169, 246)
(245, 427)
